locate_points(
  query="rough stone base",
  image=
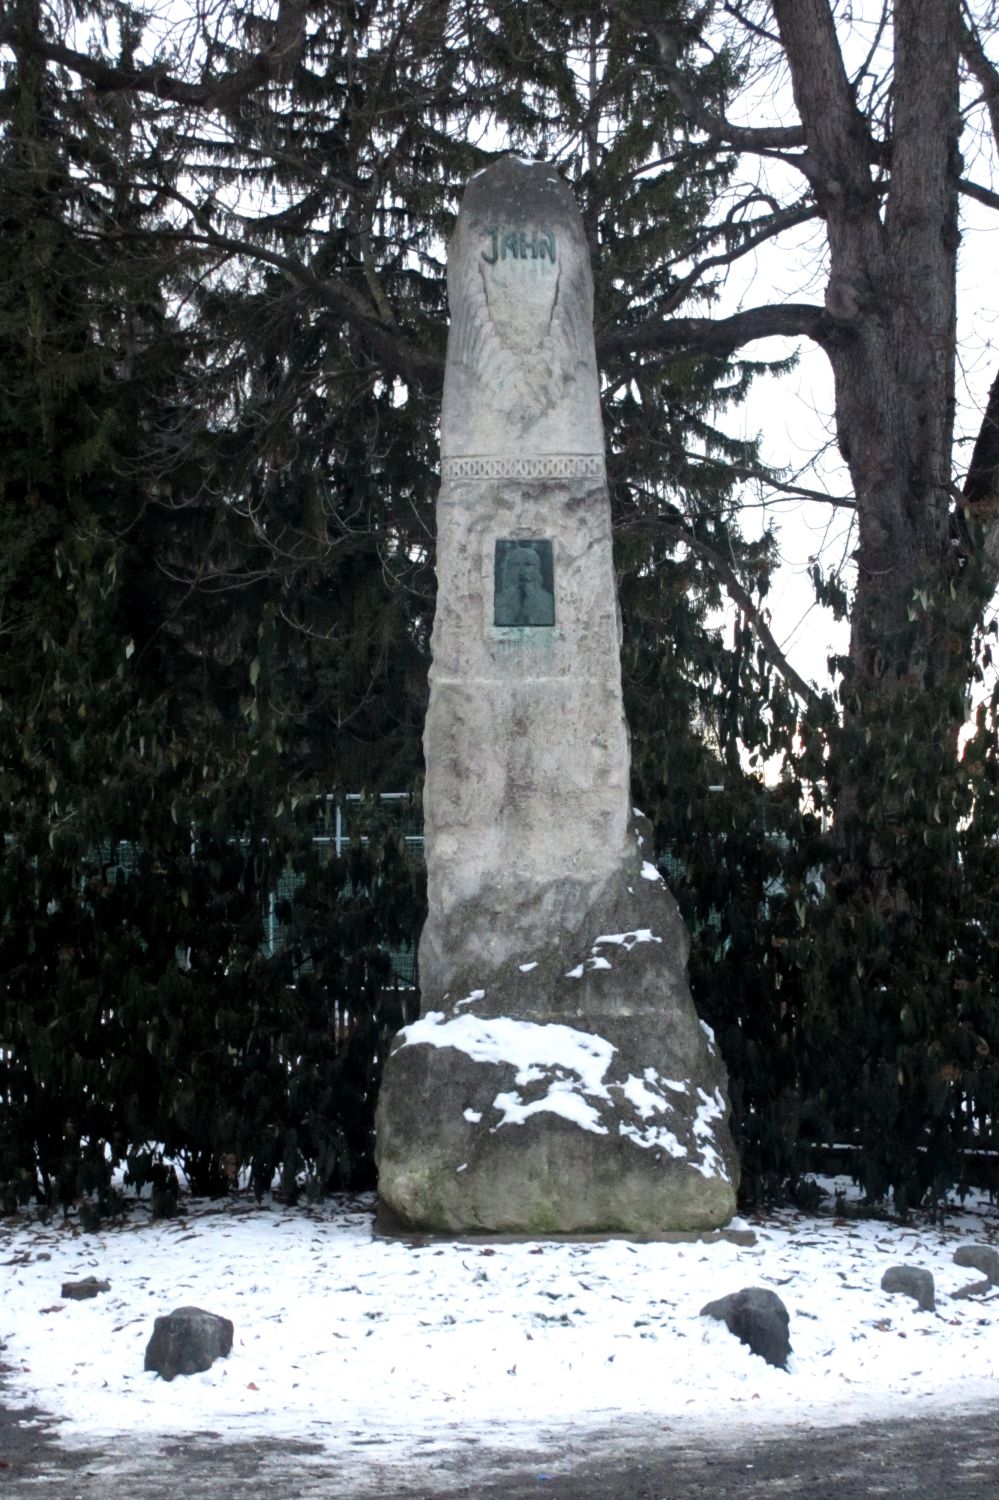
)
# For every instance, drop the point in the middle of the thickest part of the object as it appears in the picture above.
(571, 1090)
(388, 1226)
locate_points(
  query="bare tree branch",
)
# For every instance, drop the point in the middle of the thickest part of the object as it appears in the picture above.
(274, 62)
(982, 70)
(752, 26)
(647, 18)
(980, 495)
(717, 335)
(744, 471)
(872, 50)
(774, 226)
(980, 194)
(840, 145)
(740, 597)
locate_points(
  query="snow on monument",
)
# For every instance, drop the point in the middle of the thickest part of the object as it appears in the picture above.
(558, 1078)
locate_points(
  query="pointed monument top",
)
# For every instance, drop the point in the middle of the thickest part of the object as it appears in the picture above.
(521, 376)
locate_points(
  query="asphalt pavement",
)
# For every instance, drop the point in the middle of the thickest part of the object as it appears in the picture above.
(934, 1458)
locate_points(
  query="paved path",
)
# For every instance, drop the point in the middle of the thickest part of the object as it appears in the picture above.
(935, 1458)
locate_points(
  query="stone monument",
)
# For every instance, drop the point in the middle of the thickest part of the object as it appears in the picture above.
(558, 1078)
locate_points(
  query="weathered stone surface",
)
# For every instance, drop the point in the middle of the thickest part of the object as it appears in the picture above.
(558, 1079)
(187, 1341)
(576, 1091)
(521, 380)
(528, 777)
(911, 1281)
(388, 1226)
(982, 1258)
(79, 1291)
(759, 1319)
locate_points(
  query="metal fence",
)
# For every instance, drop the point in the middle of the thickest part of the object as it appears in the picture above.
(341, 820)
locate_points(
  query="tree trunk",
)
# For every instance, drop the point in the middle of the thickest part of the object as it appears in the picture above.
(890, 337)
(891, 305)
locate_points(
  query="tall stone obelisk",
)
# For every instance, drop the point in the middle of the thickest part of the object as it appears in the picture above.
(558, 1078)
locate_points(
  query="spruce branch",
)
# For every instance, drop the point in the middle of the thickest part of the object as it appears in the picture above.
(741, 598)
(712, 122)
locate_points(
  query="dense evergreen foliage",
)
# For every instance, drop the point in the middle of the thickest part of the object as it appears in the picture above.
(170, 671)
(222, 330)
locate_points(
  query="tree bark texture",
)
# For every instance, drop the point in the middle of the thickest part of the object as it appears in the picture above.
(891, 330)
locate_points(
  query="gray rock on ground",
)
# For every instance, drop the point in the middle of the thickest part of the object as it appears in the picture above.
(973, 1289)
(759, 1319)
(187, 1341)
(981, 1258)
(911, 1281)
(79, 1291)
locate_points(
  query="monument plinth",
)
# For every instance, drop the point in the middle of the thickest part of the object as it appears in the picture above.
(558, 1078)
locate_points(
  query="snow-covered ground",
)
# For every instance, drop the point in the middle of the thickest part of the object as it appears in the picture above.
(357, 1343)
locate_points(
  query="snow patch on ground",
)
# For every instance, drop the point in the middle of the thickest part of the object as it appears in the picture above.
(350, 1342)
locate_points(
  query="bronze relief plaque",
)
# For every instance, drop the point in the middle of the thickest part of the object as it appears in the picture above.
(524, 583)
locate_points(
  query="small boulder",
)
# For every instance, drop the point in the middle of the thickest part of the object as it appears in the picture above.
(911, 1281)
(973, 1289)
(187, 1341)
(79, 1291)
(982, 1258)
(759, 1319)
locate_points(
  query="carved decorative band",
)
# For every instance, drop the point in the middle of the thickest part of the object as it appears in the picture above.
(547, 466)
